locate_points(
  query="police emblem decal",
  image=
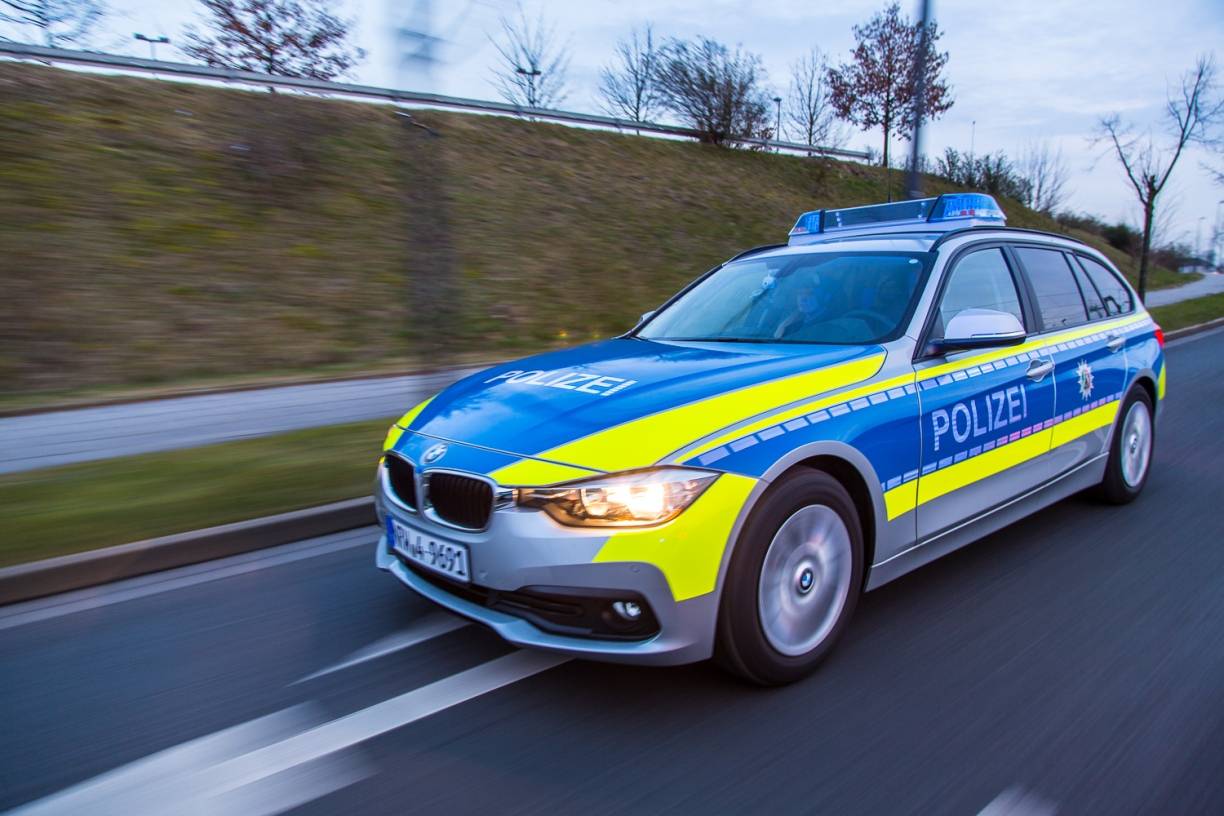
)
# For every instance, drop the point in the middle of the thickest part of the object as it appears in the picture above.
(1084, 372)
(433, 454)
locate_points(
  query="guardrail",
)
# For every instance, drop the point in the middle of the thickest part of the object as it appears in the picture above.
(170, 70)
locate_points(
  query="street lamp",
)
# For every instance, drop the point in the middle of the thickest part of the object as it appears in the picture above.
(153, 42)
(1217, 235)
(778, 131)
(1198, 241)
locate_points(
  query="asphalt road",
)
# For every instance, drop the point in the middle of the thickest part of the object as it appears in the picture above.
(86, 434)
(1073, 663)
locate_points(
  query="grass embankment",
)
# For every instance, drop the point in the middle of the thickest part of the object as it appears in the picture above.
(62, 510)
(1189, 312)
(156, 234)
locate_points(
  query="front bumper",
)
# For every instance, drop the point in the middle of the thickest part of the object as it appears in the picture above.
(524, 549)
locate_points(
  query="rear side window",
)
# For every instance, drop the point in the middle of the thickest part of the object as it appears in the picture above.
(1058, 295)
(1092, 298)
(1114, 294)
(980, 280)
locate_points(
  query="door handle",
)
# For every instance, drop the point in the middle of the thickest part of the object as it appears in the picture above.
(1038, 369)
(1114, 342)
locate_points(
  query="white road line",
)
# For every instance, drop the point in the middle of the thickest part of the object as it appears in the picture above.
(256, 769)
(1015, 802)
(169, 580)
(429, 627)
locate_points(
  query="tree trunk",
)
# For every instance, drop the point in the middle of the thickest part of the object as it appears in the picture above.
(1148, 211)
(886, 124)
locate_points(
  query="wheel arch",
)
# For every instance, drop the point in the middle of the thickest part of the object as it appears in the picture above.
(854, 472)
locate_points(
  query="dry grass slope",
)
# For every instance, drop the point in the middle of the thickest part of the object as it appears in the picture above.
(153, 232)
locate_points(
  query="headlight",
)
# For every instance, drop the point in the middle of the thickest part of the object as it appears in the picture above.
(632, 499)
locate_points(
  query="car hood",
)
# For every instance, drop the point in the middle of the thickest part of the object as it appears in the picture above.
(534, 406)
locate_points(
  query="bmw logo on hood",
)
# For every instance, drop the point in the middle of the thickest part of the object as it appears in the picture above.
(433, 454)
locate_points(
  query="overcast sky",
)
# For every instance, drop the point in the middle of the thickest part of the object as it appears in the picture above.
(1023, 71)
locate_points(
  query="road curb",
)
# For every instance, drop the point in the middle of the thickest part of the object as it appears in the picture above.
(79, 570)
(1195, 329)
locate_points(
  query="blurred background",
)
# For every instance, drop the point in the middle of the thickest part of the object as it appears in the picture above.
(239, 237)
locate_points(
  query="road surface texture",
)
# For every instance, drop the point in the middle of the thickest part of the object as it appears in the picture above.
(85, 434)
(1073, 663)
(40, 440)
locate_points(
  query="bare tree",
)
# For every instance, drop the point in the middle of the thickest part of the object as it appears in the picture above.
(1045, 174)
(716, 91)
(809, 103)
(627, 85)
(1148, 160)
(533, 64)
(877, 88)
(297, 38)
(57, 22)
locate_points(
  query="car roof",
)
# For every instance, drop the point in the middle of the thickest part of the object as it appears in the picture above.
(912, 241)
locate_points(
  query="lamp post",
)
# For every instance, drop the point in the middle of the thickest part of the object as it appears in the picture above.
(1198, 241)
(153, 42)
(1217, 235)
(778, 130)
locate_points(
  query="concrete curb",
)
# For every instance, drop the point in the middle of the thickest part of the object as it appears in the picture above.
(1195, 329)
(79, 570)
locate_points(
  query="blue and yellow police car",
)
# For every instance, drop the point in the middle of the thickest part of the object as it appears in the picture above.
(803, 423)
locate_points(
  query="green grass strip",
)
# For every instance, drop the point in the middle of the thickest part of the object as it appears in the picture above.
(1189, 312)
(55, 511)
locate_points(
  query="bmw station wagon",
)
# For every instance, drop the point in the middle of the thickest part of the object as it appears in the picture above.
(798, 425)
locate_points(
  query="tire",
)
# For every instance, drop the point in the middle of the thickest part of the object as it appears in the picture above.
(806, 539)
(1130, 452)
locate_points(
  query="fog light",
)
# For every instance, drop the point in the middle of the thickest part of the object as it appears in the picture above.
(627, 610)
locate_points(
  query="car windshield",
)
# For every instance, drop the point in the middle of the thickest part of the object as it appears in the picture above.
(826, 297)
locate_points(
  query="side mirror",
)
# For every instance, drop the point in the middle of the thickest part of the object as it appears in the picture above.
(981, 328)
(646, 316)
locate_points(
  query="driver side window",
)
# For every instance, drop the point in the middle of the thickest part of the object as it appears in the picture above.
(980, 280)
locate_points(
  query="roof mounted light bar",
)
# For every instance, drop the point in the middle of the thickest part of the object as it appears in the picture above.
(946, 212)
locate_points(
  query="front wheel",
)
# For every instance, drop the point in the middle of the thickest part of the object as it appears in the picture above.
(793, 581)
(1130, 453)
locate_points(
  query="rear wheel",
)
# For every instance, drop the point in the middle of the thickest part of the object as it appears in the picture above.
(1130, 453)
(793, 581)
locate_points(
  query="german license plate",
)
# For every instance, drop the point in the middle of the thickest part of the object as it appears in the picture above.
(442, 557)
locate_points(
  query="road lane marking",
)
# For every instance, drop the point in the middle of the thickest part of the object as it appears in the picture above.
(180, 577)
(1015, 802)
(256, 768)
(431, 626)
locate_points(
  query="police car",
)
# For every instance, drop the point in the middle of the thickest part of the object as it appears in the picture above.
(800, 424)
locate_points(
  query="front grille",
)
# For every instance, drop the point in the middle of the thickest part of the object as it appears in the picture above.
(460, 500)
(400, 477)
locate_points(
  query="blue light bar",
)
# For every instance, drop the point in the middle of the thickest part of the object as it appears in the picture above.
(940, 214)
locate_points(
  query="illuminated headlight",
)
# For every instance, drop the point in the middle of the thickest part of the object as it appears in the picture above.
(632, 499)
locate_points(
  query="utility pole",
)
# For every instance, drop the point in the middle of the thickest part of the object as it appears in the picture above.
(913, 186)
(778, 131)
(153, 42)
(531, 74)
(416, 43)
